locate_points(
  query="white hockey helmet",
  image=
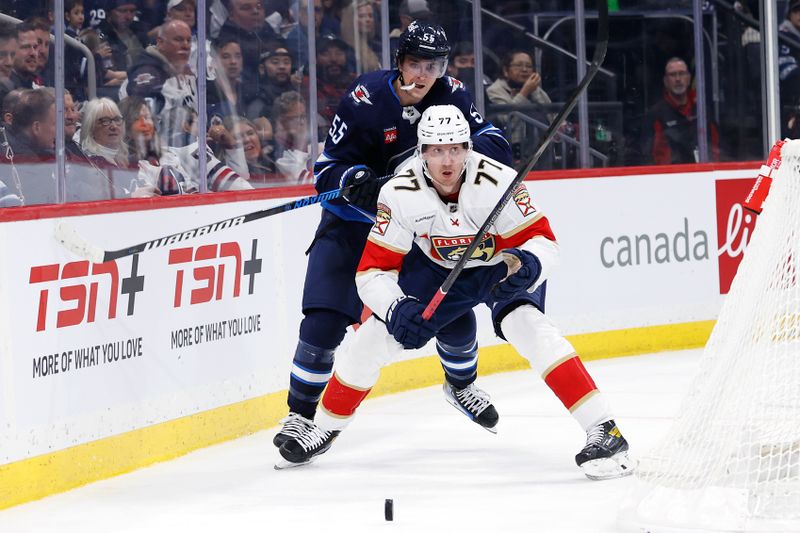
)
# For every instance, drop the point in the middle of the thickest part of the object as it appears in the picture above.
(442, 124)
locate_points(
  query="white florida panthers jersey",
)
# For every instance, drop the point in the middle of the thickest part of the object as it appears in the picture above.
(411, 211)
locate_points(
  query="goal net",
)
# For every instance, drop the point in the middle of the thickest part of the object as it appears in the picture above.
(731, 460)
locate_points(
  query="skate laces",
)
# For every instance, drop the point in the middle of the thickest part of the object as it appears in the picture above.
(312, 438)
(595, 435)
(473, 398)
(295, 425)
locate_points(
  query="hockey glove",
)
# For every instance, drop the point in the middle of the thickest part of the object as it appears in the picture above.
(405, 323)
(517, 283)
(364, 193)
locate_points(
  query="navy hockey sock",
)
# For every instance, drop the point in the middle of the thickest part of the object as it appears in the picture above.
(460, 363)
(321, 331)
(311, 369)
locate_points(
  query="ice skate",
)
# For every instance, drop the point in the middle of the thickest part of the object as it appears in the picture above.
(474, 403)
(605, 455)
(306, 447)
(294, 425)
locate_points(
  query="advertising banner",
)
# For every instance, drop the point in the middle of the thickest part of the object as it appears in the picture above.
(93, 350)
(98, 349)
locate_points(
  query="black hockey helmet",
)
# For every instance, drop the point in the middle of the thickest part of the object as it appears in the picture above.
(423, 40)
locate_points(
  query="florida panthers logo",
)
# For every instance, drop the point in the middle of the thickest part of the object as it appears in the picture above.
(452, 248)
(360, 94)
(382, 219)
(523, 201)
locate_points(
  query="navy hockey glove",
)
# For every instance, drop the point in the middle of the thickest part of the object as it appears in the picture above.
(364, 193)
(518, 282)
(404, 321)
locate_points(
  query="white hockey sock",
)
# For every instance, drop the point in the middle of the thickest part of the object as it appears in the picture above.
(551, 355)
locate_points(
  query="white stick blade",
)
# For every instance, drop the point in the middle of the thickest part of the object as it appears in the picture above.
(72, 241)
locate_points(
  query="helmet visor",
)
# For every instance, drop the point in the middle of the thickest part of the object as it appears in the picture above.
(417, 66)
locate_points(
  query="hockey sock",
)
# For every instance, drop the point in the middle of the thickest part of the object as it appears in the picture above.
(553, 357)
(339, 405)
(321, 331)
(460, 363)
(311, 370)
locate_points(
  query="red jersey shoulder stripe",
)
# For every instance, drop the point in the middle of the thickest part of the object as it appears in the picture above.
(379, 257)
(537, 228)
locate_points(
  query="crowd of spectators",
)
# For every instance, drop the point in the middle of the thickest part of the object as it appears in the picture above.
(138, 137)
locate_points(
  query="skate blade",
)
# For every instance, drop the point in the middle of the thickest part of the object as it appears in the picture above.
(492, 430)
(283, 464)
(619, 465)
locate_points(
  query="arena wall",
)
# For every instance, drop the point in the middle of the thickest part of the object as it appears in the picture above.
(107, 368)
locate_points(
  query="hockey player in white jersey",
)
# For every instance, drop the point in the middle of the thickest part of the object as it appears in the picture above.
(426, 218)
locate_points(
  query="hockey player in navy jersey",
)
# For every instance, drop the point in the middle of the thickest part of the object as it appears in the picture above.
(372, 133)
(447, 181)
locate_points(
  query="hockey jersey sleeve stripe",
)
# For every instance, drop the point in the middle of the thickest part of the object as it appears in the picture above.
(526, 224)
(489, 128)
(320, 172)
(536, 227)
(386, 245)
(380, 256)
(220, 174)
(373, 270)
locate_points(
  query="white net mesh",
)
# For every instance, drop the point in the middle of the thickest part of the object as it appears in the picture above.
(731, 461)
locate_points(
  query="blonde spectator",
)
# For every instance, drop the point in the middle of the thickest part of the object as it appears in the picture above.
(257, 151)
(102, 133)
(358, 31)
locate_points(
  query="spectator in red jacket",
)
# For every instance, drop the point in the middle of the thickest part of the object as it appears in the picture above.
(671, 126)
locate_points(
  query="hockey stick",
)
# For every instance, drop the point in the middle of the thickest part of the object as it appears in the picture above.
(72, 241)
(597, 61)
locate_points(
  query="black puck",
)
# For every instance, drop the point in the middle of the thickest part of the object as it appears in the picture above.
(388, 509)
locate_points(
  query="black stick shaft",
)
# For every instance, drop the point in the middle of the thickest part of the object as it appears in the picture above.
(597, 61)
(199, 231)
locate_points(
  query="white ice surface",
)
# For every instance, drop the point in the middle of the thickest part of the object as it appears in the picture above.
(443, 472)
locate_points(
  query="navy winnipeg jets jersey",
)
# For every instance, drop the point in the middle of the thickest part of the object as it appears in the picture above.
(372, 128)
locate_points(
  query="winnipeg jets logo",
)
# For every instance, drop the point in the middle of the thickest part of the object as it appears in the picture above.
(411, 114)
(360, 94)
(455, 84)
